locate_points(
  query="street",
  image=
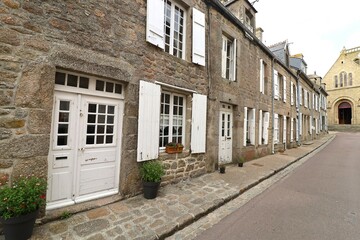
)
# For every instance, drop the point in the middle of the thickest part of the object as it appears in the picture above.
(319, 200)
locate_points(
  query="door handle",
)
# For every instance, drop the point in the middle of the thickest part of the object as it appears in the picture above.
(82, 149)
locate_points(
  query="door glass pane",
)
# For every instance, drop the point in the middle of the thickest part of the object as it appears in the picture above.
(72, 80)
(62, 140)
(64, 105)
(63, 123)
(100, 124)
(84, 82)
(60, 78)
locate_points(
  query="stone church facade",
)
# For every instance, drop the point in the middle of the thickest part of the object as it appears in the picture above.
(342, 83)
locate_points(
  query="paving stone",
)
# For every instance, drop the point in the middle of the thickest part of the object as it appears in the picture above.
(90, 227)
(97, 213)
(58, 227)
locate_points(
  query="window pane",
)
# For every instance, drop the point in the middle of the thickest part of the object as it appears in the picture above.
(60, 78)
(111, 109)
(109, 129)
(90, 139)
(109, 139)
(63, 128)
(63, 117)
(118, 88)
(92, 108)
(64, 105)
(100, 85)
(99, 139)
(72, 80)
(101, 118)
(62, 140)
(90, 129)
(109, 87)
(102, 108)
(100, 129)
(84, 82)
(110, 119)
(91, 118)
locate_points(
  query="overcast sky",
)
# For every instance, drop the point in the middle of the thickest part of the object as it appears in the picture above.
(318, 29)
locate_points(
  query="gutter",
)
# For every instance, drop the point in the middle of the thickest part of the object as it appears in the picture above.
(272, 105)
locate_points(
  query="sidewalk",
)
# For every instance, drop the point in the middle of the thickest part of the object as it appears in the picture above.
(176, 206)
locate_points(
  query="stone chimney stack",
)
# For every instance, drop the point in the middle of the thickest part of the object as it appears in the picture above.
(259, 33)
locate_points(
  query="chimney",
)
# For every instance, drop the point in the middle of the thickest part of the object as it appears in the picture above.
(259, 33)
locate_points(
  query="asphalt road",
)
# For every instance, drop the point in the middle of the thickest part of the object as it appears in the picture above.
(319, 200)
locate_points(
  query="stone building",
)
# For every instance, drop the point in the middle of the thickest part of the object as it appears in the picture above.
(79, 81)
(342, 83)
(90, 90)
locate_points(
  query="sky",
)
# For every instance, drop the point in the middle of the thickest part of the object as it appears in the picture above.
(319, 29)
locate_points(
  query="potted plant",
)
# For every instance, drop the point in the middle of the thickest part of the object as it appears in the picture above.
(151, 173)
(222, 169)
(240, 161)
(172, 147)
(248, 142)
(19, 206)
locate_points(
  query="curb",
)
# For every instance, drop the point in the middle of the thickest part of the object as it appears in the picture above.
(196, 217)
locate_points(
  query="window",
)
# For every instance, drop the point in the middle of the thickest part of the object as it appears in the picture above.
(172, 119)
(249, 126)
(174, 24)
(263, 85)
(166, 28)
(336, 81)
(350, 79)
(281, 86)
(162, 118)
(228, 66)
(263, 127)
(341, 79)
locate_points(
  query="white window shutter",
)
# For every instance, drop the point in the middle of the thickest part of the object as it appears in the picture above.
(198, 127)
(234, 62)
(276, 128)
(301, 123)
(223, 56)
(297, 129)
(313, 101)
(198, 37)
(305, 99)
(252, 126)
(311, 125)
(300, 95)
(155, 23)
(148, 121)
(284, 129)
(316, 126)
(276, 85)
(292, 130)
(245, 124)
(296, 96)
(284, 84)
(266, 127)
(261, 76)
(260, 127)
(291, 93)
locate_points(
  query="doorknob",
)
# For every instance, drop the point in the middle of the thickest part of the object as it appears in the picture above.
(82, 149)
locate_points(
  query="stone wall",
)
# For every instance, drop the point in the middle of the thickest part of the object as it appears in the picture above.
(99, 38)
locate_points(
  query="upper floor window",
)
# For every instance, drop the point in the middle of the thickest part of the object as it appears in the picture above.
(228, 58)
(350, 79)
(263, 77)
(174, 24)
(166, 28)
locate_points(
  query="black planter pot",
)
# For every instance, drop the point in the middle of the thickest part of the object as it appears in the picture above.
(240, 164)
(150, 189)
(222, 169)
(19, 228)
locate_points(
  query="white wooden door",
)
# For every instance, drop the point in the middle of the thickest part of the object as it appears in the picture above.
(85, 148)
(225, 134)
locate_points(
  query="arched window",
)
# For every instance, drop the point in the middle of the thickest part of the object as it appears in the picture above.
(350, 79)
(345, 80)
(341, 80)
(336, 81)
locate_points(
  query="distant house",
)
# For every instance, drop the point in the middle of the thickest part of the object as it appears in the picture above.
(343, 85)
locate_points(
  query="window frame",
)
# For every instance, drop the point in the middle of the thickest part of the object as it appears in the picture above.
(228, 58)
(170, 136)
(174, 5)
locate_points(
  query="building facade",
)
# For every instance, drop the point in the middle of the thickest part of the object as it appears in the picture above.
(342, 83)
(89, 91)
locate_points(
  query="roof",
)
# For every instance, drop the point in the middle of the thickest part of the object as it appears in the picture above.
(229, 2)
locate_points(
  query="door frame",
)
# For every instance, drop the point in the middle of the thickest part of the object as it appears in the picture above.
(228, 110)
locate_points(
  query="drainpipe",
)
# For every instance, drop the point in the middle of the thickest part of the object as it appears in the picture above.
(298, 106)
(272, 105)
